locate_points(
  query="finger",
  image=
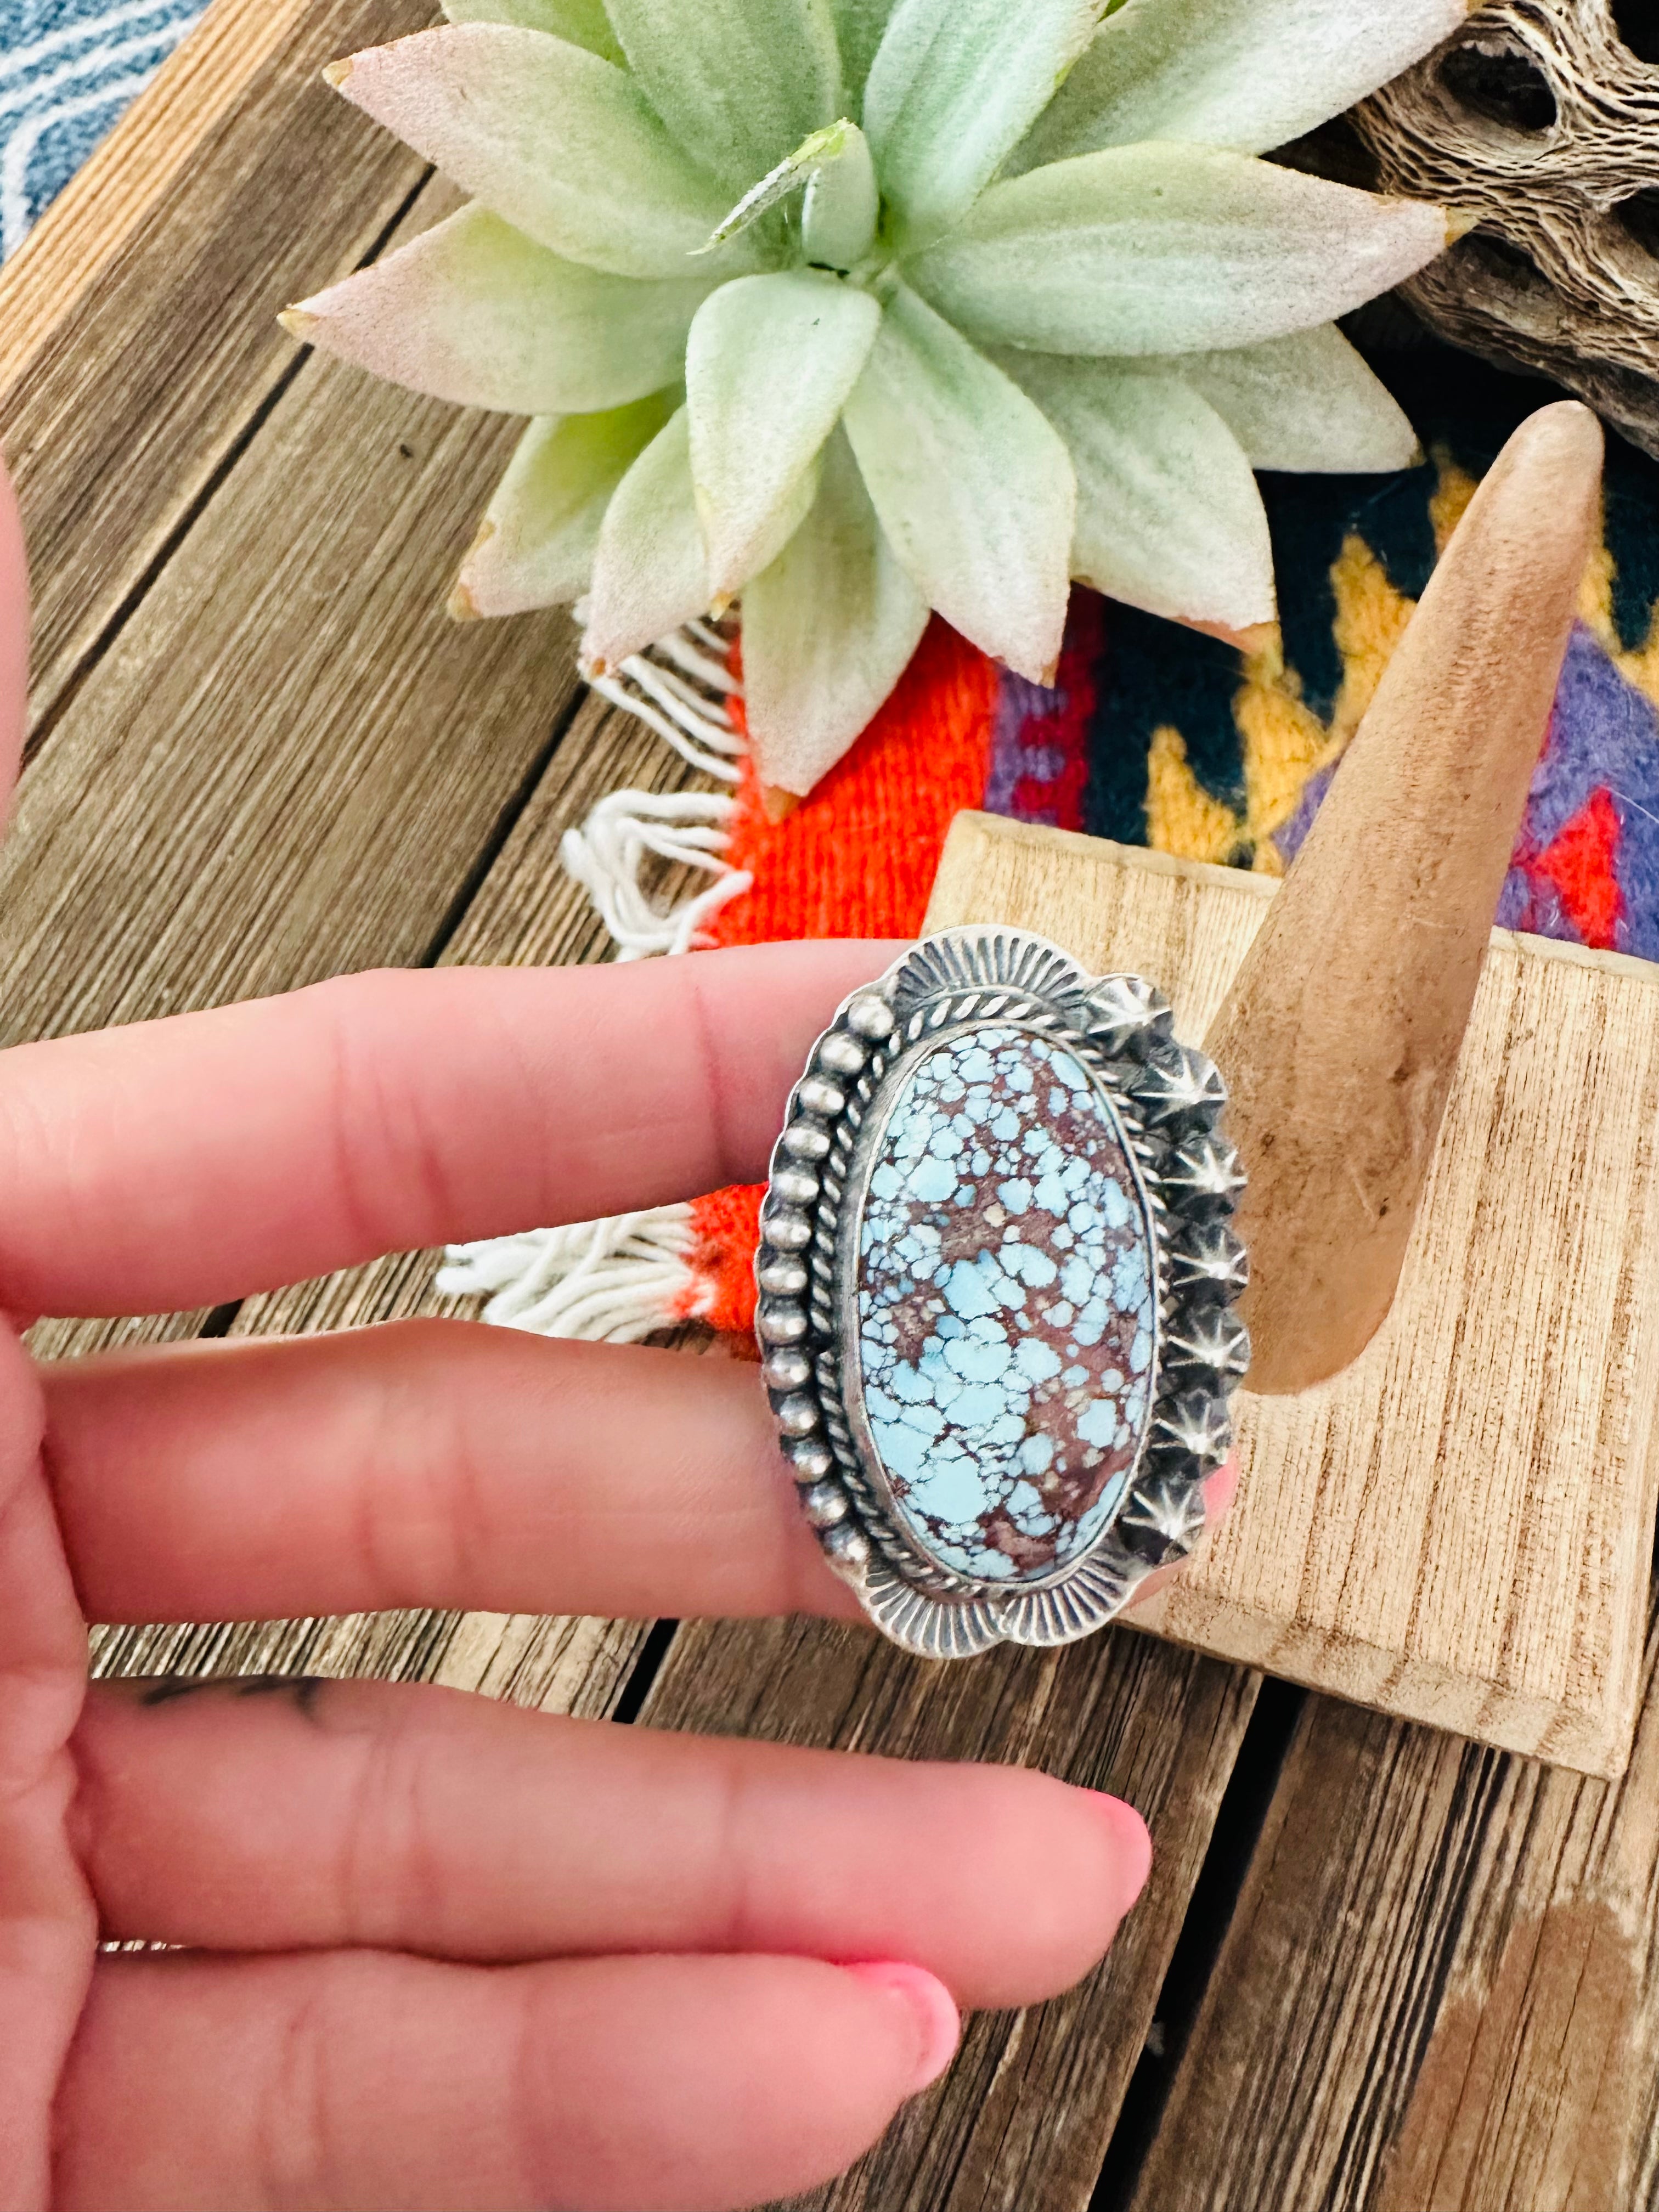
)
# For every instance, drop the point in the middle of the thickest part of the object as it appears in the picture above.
(48, 1923)
(427, 1463)
(436, 1463)
(272, 1815)
(200, 1158)
(359, 2079)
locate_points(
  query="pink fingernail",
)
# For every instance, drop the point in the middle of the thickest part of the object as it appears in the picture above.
(1134, 1846)
(931, 2006)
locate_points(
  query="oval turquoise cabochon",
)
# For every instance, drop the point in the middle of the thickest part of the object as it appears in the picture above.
(1006, 1297)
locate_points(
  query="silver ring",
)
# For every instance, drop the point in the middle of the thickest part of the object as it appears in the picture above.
(995, 1287)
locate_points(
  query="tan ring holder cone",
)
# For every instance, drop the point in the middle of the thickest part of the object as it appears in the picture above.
(1447, 1448)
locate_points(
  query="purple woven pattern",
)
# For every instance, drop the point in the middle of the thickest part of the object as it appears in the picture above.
(1586, 866)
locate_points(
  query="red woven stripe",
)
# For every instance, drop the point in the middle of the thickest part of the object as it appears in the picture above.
(833, 867)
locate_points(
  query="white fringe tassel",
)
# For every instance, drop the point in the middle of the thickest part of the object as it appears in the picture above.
(608, 854)
(679, 688)
(613, 1281)
(621, 1279)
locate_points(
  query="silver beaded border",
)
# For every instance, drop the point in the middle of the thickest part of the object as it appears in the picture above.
(1167, 1100)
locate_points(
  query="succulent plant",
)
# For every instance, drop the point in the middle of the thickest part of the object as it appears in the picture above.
(861, 307)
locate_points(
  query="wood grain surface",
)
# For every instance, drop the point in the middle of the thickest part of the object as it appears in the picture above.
(138, 339)
(1456, 1527)
(262, 756)
(1439, 1991)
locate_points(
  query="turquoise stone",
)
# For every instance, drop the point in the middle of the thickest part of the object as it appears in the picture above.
(1006, 1337)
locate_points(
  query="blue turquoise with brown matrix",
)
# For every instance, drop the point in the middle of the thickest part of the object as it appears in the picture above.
(1006, 1303)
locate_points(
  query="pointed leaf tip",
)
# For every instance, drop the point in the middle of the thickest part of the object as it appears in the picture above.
(335, 73)
(474, 311)
(559, 143)
(1305, 402)
(536, 545)
(1247, 74)
(1168, 517)
(299, 322)
(1165, 249)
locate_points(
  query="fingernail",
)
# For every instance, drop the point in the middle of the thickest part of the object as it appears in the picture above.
(1134, 1846)
(931, 2008)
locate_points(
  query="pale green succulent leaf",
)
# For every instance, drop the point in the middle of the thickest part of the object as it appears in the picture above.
(474, 311)
(1168, 517)
(828, 630)
(1169, 249)
(583, 23)
(955, 84)
(1247, 74)
(557, 142)
(971, 483)
(536, 545)
(1305, 402)
(739, 83)
(650, 574)
(858, 27)
(842, 205)
(768, 366)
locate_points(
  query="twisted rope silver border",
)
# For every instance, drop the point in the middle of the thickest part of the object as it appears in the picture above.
(1166, 1100)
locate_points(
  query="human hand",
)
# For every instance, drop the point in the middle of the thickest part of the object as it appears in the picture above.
(437, 1951)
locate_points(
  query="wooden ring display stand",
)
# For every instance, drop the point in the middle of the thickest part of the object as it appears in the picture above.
(1447, 1494)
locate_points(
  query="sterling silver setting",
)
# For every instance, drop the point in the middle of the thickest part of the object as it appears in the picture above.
(1163, 1100)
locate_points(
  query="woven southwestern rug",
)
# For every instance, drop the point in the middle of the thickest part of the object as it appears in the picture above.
(68, 69)
(1152, 735)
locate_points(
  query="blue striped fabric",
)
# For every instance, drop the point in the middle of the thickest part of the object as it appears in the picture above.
(68, 68)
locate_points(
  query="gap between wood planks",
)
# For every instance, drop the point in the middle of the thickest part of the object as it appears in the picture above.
(1238, 1826)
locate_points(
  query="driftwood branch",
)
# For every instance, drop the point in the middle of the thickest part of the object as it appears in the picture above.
(1339, 1035)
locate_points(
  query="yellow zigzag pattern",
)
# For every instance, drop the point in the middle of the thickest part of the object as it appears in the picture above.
(1283, 741)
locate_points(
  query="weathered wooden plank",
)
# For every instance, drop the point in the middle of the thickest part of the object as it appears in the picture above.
(1457, 1526)
(1022, 2116)
(1439, 1991)
(289, 759)
(139, 338)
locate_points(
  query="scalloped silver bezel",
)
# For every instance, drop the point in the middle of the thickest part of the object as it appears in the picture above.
(1161, 1096)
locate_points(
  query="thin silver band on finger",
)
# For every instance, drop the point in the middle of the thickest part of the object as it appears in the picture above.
(995, 1292)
